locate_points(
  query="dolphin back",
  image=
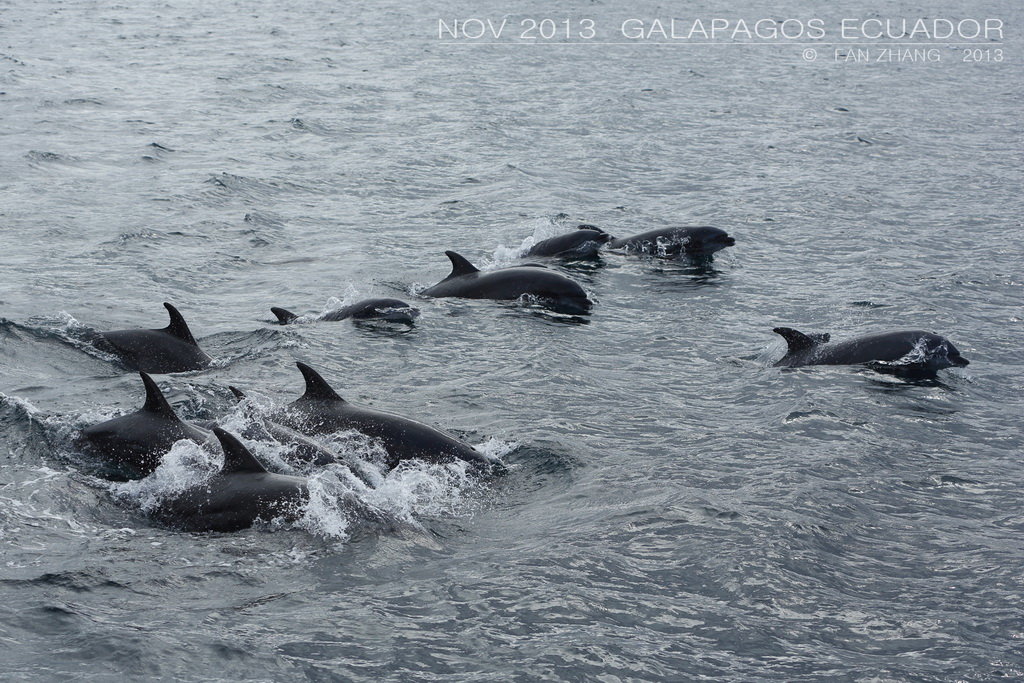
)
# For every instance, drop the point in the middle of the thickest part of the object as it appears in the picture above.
(585, 242)
(132, 446)
(283, 315)
(235, 498)
(169, 349)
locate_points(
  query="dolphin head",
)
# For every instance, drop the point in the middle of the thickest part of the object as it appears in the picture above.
(932, 352)
(391, 310)
(948, 353)
(958, 361)
(707, 240)
(599, 235)
(571, 304)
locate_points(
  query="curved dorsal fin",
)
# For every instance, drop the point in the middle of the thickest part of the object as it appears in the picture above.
(460, 266)
(284, 316)
(798, 341)
(317, 388)
(156, 402)
(239, 394)
(178, 327)
(588, 226)
(237, 457)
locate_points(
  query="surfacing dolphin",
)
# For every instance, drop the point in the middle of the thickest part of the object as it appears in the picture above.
(170, 349)
(584, 243)
(675, 242)
(241, 493)
(390, 310)
(550, 289)
(320, 410)
(308, 453)
(132, 445)
(903, 351)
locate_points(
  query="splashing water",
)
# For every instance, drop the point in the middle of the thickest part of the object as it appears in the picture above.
(244, 420)
(413, 490)
(543, 228)
(349, 297)
(407, 494)
(324, 515)
(21, 405)
(70, 323)
(185, 466)
(919, 355)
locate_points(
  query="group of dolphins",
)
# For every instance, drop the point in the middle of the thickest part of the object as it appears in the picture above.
(244, 491)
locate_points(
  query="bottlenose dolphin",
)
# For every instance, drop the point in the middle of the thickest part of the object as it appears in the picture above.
(551, 289)
(391, 310)
(911, 350)
(234, 498)
(133, 445)
(675, 242)
(320, 410)
(171, 349)
(304, 449)
(585, 242)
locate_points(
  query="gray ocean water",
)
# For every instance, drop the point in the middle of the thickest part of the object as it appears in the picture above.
(676, 508)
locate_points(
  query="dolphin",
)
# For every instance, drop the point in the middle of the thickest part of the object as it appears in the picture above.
(391, 310)
(133, 445)
(304, 449)
(675, 242)
(320, 410)
(910, 350)
(171, 349)
(584, 243)
(236, 497)
(551, 289)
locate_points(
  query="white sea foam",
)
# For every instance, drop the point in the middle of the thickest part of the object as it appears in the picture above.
(351, 295)
(325, 513)
(69, 323)
(543, 228)
(185, 466)
(238, 422)
(496, 449)
(56, 428)
(24, 405)
(406, 494)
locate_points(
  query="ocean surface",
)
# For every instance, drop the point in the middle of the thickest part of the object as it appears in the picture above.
(675, 507)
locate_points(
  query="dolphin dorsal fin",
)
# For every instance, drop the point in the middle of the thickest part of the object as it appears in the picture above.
(284, 316)
(237, 457)
(156, 402)
(239, 394)
(588, 226)
(460, 266)
(178, 327)
(317, 388)
(798, 341)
